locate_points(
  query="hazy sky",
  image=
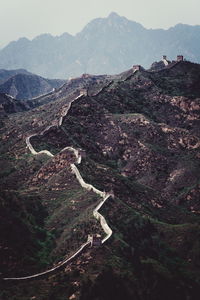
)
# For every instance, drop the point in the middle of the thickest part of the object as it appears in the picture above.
(29, 18)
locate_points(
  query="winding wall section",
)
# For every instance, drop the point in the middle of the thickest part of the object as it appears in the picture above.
(97, 215)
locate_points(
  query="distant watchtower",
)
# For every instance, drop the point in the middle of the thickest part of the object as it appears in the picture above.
(95, 240)
(85, 75)
(83, 91)
(137, 68)
(165, 61)
(179, 57)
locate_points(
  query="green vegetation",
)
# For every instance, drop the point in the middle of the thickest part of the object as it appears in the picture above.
(137, 135)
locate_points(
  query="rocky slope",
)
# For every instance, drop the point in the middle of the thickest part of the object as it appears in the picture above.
(21, 84)
(139, 137)
(9, 105)
(6, 74)
(105, 45)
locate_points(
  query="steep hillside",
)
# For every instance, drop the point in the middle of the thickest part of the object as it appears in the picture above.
(9, 105)
(6, 74)
(23, 85)
(105, 46)
(138, 135)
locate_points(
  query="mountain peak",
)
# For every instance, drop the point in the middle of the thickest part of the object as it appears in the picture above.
(113, 15)
(43, 36)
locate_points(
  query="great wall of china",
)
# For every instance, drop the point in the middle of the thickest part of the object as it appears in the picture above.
(96, 214)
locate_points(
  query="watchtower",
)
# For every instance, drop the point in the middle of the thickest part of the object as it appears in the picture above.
(82, 153)
(83, 91)
(137, 68)
(165, 61)
(179, 57)
(95, 240)
(85, 75)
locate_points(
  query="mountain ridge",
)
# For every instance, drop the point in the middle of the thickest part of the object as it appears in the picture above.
(22, 84)
(105, 45)
(138, 135)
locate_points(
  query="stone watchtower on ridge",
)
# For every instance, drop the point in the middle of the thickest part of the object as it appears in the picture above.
(95, 240)
(179, 57)
(165, 60)
(137, 68)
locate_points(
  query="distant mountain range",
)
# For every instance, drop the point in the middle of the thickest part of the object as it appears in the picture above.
(22, 84)
(105, 45)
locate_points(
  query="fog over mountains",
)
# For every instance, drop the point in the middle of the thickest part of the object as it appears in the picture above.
(105, 45)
